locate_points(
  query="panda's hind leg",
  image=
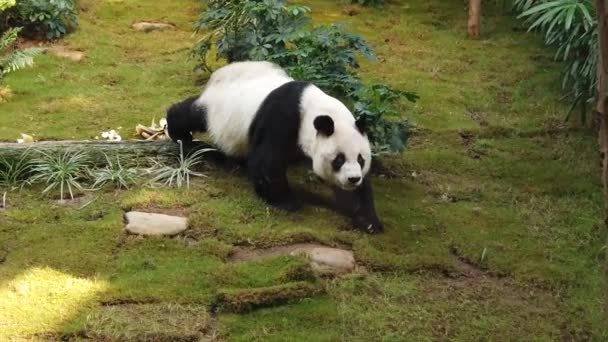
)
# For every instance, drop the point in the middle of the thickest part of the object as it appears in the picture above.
(268, 172)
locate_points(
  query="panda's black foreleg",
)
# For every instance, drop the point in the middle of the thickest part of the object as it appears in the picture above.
(268, 172)
(360, 205)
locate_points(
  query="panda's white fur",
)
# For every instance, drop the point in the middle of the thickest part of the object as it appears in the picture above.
(232, 97)
(254, 110)
(234, 94)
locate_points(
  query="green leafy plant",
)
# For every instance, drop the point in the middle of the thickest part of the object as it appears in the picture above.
(247, 29)
(375, 105)
(47, 18)
(5, 4)
(571, 28)
(177, 174)
(326, 55)
(11, 58)
(114, 173)
(14, 172)
(64, 171)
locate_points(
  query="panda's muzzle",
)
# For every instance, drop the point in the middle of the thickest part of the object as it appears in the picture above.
(354, 180)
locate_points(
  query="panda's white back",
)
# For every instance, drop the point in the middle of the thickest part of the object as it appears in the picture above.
(231, 99)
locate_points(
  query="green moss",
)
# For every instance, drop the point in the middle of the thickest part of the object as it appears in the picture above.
(244, 300)
(146, 322)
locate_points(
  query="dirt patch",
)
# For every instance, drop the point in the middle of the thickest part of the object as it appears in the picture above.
(65, 52)
(474, 288)
(351, 10)
(80, 201)
(26, 43)
(146, 27)
(477, 116)
(497, 297)
(466, 268)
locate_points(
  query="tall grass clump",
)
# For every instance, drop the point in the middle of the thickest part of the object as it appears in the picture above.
(177, 174)
(65, 172)
(114, 173)
(14, 172)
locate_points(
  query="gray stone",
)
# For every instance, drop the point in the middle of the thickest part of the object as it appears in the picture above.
(154, 224)
(328, 260)
(149, 27)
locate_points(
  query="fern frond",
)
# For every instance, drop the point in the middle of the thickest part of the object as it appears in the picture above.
(9, 37)
(18, 59)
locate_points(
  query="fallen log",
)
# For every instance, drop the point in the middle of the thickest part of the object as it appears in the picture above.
(129, 151)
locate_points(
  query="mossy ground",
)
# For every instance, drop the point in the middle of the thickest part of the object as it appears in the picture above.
(493, 228)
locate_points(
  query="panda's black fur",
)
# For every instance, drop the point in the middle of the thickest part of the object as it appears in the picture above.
(273, 144)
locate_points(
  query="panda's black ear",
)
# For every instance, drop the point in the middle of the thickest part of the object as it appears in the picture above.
(361, 125)
(324, 125)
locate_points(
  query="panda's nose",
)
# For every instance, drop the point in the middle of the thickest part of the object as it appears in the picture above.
(354, 180)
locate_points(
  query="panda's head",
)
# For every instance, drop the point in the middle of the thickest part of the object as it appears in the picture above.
(341, 153)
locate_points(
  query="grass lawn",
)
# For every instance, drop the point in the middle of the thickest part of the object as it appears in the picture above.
(493, 214)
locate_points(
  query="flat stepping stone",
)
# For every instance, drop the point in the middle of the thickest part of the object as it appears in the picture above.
(327, 260)
(323, 260)
(62, 51)
(154, 224)
(145, 26)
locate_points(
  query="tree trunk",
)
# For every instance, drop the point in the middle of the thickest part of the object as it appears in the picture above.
(602, 109)
(128, 151)
(474, 23)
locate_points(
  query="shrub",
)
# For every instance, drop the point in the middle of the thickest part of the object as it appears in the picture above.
(376, 103)
(325, 55)
(570, 27)
(42, 18)
(5, 4)
(247, 30)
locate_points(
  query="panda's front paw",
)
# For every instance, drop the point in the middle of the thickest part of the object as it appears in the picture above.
(371, 226)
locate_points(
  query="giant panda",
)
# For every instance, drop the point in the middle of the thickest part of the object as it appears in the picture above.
(255, 111)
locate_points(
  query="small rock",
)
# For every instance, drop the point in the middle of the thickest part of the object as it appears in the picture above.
(155, 224)
(329, 260)
(62, 51)
(149, 27)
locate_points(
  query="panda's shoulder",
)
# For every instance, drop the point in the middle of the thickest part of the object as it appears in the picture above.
(279, 114)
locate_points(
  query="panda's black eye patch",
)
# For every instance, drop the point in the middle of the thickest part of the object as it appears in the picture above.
(338, 161)
(361, 161)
